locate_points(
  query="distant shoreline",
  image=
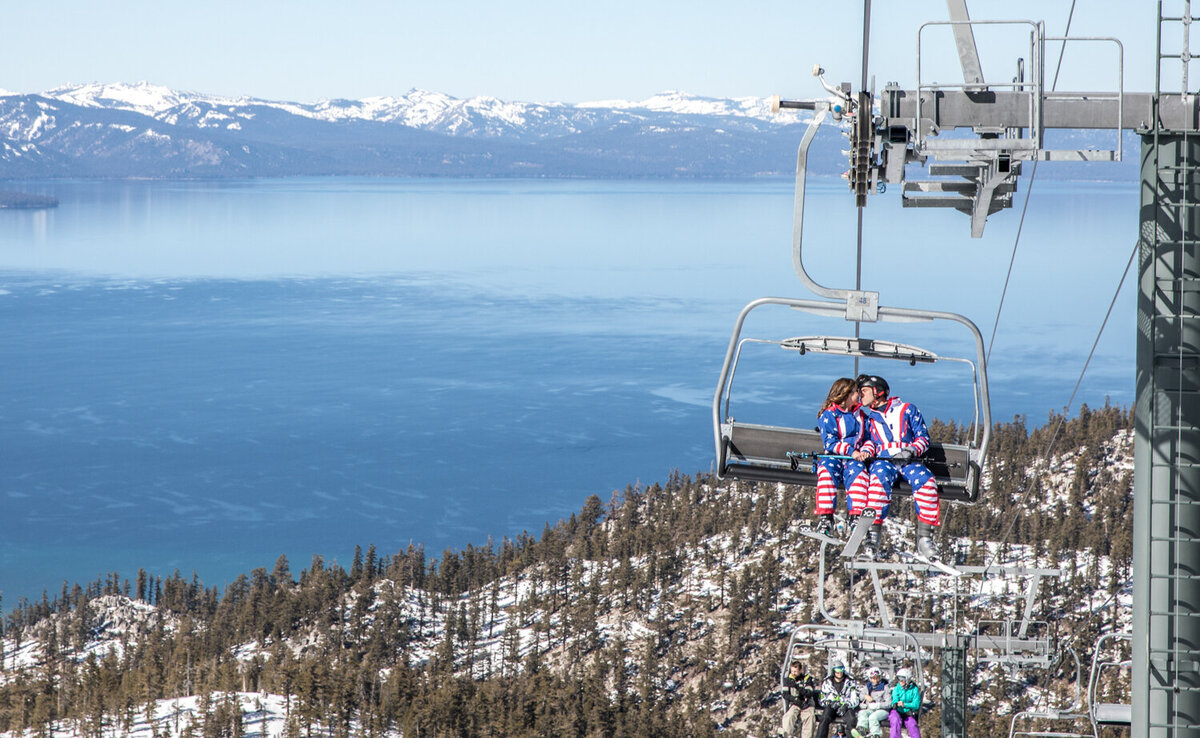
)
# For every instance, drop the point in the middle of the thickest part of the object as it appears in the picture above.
(25, 201)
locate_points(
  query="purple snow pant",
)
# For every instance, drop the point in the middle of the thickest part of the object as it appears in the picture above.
(907, 721)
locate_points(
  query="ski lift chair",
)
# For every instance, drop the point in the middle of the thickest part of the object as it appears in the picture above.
(1068, 722)
(772, 453)
(886, 648)
(1107, 713)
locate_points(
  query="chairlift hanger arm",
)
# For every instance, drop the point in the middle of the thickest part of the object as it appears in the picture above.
(964, 39)
(859, 303)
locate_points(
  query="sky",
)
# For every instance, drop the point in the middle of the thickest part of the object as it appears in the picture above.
(531, 50)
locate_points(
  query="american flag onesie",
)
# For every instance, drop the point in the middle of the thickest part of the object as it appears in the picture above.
(889, 428)
(842, 433)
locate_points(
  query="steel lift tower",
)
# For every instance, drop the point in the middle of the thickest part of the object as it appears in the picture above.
(1166, 516)
(977, 175)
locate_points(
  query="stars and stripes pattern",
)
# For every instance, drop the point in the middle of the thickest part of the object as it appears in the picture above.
(925, 490)
(842, 433)
(893, 426)
(849, 474)
(889, 429)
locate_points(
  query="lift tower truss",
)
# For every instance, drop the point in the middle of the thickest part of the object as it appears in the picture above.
(1166, 539)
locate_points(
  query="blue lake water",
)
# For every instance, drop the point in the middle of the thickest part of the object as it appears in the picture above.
(206, 375)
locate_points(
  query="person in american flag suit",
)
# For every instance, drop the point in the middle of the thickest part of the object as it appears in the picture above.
(842, 434)
(897, 438)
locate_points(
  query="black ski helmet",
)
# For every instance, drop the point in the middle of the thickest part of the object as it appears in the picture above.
(871, 380)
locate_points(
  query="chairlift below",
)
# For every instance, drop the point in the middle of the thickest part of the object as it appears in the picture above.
(1112, 653)
(1103, 663)
(776, 453)
(861, 647)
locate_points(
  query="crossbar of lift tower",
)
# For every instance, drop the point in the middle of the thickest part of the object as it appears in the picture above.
(948, 109)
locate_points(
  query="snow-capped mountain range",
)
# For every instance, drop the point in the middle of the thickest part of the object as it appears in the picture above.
(146, 130)
(431, 111)
(120, 130)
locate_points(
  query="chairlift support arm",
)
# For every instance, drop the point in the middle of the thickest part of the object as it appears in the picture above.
(964, 38)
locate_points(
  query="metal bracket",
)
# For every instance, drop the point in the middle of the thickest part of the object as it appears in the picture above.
(862, 306)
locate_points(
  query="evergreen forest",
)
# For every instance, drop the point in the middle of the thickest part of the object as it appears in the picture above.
(660, 610)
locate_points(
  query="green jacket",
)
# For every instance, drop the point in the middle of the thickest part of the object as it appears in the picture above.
(908, 697)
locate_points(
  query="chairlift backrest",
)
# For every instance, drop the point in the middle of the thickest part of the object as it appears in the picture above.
(764, 453)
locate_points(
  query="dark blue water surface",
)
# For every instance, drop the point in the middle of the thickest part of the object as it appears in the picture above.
(204, 376)
(216, 424)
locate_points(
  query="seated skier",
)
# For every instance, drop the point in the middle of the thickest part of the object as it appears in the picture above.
(876, 703)
(839, 697)
(906, 703)
(842, 434)
(897, 437)
(800, 698)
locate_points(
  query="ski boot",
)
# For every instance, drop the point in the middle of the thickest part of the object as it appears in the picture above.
(926, 548)
(844, 526)
(870, 547)
(824, 524)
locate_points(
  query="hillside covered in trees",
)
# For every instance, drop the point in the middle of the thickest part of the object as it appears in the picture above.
(661, 611)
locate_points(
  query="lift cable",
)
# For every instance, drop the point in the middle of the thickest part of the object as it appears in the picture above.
(1028, 190)
(1062, 419)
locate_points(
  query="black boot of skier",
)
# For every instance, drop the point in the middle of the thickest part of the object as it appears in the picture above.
(926, 547)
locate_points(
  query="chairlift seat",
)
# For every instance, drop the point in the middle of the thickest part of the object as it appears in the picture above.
(1112, 713)
(760, 453)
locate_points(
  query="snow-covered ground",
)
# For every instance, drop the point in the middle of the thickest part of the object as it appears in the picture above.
(263, 716)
